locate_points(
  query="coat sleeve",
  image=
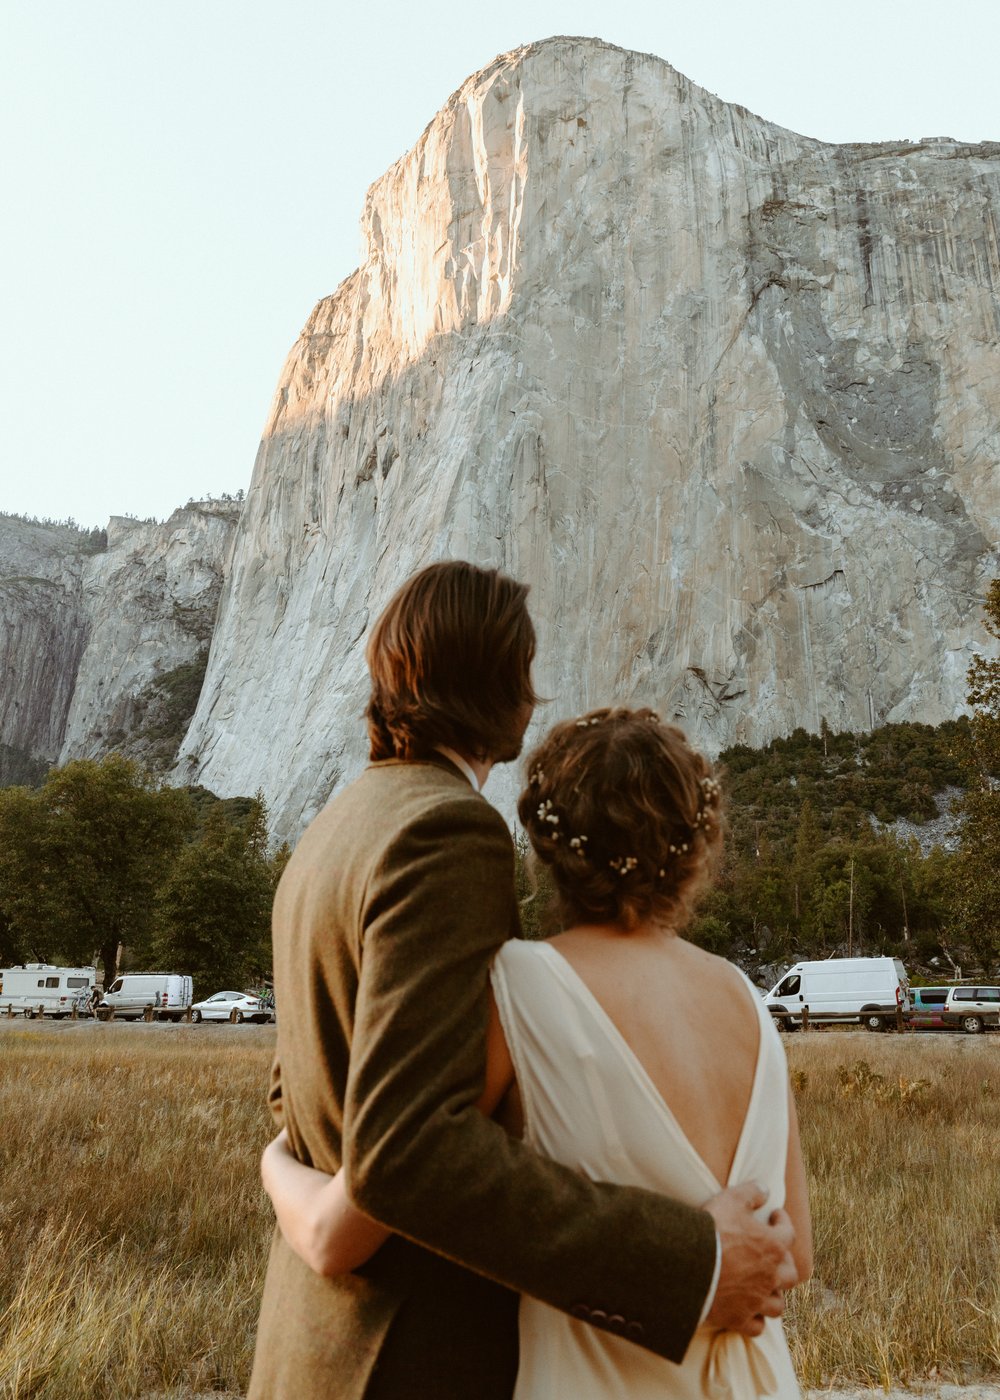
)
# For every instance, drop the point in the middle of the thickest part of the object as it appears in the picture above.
(422, 1160)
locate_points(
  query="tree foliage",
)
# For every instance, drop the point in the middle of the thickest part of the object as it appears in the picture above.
(82, 857)
(977, 874)
(214, 910)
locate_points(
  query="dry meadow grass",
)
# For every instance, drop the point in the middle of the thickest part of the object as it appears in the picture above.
(904, 1176)
(134, 1230)
(135, 1235)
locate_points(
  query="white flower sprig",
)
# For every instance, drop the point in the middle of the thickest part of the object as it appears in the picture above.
(623, 864)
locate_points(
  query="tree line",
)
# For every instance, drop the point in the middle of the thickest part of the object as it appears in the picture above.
(103, 856)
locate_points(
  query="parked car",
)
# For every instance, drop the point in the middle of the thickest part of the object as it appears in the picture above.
(865, 990)
(972, 1008)
(927, 1006)
(168, 993)
(220, 1007)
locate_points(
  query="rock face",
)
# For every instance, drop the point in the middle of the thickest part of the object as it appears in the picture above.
(726, 396)
(103, 638)
(43, 631)
(151, 600)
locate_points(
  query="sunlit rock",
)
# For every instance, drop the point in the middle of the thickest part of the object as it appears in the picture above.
(726, 396)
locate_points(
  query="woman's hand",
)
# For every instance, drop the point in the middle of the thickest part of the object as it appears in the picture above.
(314, 1214)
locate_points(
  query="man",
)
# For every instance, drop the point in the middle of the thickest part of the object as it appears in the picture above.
(385, 924)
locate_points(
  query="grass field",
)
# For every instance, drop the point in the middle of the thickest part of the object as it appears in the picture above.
(134, 1234)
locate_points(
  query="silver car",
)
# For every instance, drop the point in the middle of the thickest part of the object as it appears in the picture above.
(972, 1008)
(223, 1005)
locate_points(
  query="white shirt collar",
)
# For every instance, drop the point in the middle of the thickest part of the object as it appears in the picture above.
(461, 764)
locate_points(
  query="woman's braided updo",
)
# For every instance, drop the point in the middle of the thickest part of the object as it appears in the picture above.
(626, 815)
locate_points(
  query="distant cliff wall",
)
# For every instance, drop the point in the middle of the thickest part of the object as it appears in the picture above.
(150, 600)
(103, 644)
(725, 396)
(43, 632)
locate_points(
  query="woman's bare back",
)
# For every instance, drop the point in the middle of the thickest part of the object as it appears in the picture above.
(688, 1019)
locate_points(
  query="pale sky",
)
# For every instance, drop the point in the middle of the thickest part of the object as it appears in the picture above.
(183, 181)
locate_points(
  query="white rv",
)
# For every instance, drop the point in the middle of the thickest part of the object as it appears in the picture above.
(865, 990)
(55, 989)
(168, 993)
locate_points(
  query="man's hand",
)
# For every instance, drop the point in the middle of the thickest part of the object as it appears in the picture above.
(756, 1264)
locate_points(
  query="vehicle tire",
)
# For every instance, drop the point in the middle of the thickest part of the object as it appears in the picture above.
(195, 1016)
(239, 1018)
(874, 1023)
(28, 1014)
(972, 1025)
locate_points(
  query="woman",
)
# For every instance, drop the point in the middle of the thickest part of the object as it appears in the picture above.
(638, 1057)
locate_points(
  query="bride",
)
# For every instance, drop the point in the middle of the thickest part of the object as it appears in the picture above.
(619, 1048)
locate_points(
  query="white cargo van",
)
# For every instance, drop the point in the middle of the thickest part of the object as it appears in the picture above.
(55, 989)
(865, 990)
(168, 993)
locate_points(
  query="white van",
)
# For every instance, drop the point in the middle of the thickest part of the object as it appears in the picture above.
(168, 993)
(55, 989)
(865, 990)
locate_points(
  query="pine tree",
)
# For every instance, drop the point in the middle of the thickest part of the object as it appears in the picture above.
(977, 869)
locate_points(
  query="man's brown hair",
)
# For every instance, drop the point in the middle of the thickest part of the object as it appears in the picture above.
(450, 661)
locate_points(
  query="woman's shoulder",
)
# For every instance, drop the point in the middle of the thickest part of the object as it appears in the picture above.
(713, 965)
(522, 952)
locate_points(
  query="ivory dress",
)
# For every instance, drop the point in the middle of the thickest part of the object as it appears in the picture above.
(589, 1102)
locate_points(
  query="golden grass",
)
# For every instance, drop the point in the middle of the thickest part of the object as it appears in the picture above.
(905, 1189)
(134, 1230)
(135, 1234)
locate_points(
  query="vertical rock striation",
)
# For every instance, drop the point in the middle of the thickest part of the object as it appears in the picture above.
(104, 635)
(151, 599)
(43, 631)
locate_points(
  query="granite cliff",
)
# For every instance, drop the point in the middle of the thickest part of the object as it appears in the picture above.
(43, 632)
(726, 396)
(104, 635)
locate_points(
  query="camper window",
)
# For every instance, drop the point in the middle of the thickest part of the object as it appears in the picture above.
(51, 982)
(76, 982)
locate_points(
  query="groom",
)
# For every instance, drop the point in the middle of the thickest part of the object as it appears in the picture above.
(385, 923)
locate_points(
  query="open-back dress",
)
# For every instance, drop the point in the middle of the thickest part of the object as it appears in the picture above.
(589, 1102)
